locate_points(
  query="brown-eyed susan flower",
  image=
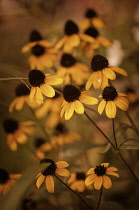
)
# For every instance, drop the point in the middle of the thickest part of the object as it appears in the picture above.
(102, 72)
(7, 180)
(73, 99)
(17, 132)
(72, 37)
(22, 97)
(50, 172)
(91, 19)
(132, 95)
(77, 182)
(88, 48)
(41, 85)
(72, 70)
(98, 176)
(42, 146)
(111, 99)
(43, 54)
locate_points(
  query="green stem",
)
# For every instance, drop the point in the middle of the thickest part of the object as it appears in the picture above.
(11, 78)
(114, 135)
(99, 199)
(78, 195)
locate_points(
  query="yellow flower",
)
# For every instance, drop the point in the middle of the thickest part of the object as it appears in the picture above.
(17, 132)
(72, 37)
(91, 19)
(7, 180)
(72, 71)
(73, 101)
(41, 85)
(102, 72)
(22, 92)
(132, 96)
(42, 146)
(43, 53)
(77, 182)
(52, 170)
(91, 46)
(111, 99)
(98, 176)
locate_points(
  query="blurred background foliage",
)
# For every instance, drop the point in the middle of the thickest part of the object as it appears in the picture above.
(17, 19)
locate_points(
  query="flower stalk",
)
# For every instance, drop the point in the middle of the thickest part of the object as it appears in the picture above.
(100, 195)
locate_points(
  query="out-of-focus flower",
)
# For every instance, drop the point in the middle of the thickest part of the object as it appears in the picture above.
(47, 174)
(41, 85)
(131, 95)
(111, 99)
(91, 19)
(7, 180)
(102, 72)
(77, 182)
(17, 132)
(88, 48)
(73, 99)
(42, 146)
(22, 92)
(72, 37)
(43, 52)
(98, 176)
(72, 70)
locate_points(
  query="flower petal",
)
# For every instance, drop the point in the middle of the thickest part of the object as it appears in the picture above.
(118, 70)
(105, 42)
(109, 73)
(110, 109)
(32, 93)
(98, 182)
(53, 79)
(61, 164)
(47, 90)
(97, 81)
(64, 107)
(86, 38)
(112, 173)
(111, 169)
(61, 42)
(88, 99)
(105, 164)
(63, 172)
(122, 103)
(89, 82)
(39, 96)
(50, 184)
(107, 182)
(79, 108)
(85, 23)
(101, 106)
(91, 171)
(11, 142)
(40, 181)
(69, 111)
(97, 22)
(90, 179)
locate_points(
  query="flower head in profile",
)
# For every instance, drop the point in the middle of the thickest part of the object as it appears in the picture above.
(102, 72)
(17, 132)
(111, 99)
(89, 47)
(98, 176)
(72, 70)
(48, 174)
(72, 37)
(73, 99)
(91, 19)
(77, 182)
(7, 180)
(41, 85)
(42, 51)
(42, 146)
(22, 97)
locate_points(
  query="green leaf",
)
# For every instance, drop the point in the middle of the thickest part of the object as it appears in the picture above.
(13, 198)
(106, 149)
(130, 144)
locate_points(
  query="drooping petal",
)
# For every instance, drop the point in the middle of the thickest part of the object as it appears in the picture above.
(32, 93)
(90, 179)
(63, 172)
(50, 184)
(69, 110)
(61, 42)
(107, 182)
(21, 138)
(65, 105)
(88, 99)
(109, 73)
(121, 94)
(11, 142)
(111, 169)
(85, 23)
(53, 79)
(72, 178)
(104, 41)
(101, 106)
(98, 182)
(104, 81)
(90, 81)
(79, 108)
(97, 22)
(97, 81)
(28, 47)
(72, 41)
(118, 70)
(112, 173)
(122, 103)
(91, 171)
(86, 38)
(40, 181)
(13, 103)
(61, 164)
(78, 185)
(20, 104)
(47, 90)
(39, 96)
(110, 109)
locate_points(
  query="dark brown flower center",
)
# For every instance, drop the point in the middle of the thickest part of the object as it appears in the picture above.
(4, 176)
(22, 90)
(51, 169)
(67, 60)
(90, 13)
(60, 128)
(71, 28)
(38, 50)
(109, 93)
(80, 176)
(130, 90)
(98, 63)
(71, 93)
(35, 36)
(10, 125)
(100, 170)
(39, 142)
(36, 78)
(91, 31)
